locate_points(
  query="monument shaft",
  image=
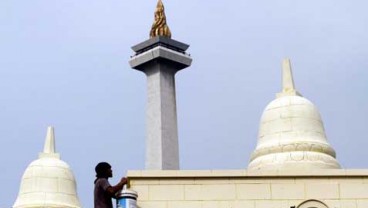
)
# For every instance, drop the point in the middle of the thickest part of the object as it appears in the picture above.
(162, 131)
(160, 58)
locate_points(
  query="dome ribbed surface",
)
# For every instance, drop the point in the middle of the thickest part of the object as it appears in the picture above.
(291, 134)
(48, 182)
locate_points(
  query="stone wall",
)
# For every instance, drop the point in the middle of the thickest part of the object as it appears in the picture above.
(244, 189)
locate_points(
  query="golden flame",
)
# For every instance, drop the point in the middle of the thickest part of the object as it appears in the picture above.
(159, 26)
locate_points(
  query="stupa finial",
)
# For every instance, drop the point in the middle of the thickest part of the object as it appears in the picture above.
(159, 26)
(50, 141)
(49, 148)
(288, 86)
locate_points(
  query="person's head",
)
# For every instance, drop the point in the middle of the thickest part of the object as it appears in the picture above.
(103, 170)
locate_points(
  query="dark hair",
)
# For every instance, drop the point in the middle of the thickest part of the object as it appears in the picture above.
(101, 170)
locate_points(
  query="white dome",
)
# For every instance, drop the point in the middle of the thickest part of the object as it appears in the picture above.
(291, 134)
(48, 181)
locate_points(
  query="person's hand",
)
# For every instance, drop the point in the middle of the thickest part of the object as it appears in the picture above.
(124, 180)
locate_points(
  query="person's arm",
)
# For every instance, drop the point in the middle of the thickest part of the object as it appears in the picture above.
(112, 190)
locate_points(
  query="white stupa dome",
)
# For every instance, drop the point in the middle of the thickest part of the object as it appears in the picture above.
(48, 182)
(291, 134)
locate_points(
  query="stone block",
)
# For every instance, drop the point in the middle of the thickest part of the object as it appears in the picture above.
(192, 192)
(144, 182)
(152, 204)
(287, 191)
(353, 191)
(362, 203)
(322, 191)
(143, 193)
(47, 185)
(332, 203)
(248, 181)
(292, 203)
(210, 192)
(315, 173)
(348, 204)
(315, 180)
(225, 204)
(271, 204)
(177, 181)
(209, 181)
(67, 199)
(341, 203)
(27, 186)
(263, 180)
(52, 197)
(166, 192)
(348, 180)
(253, 191)
(66, 186)
(305, 124)
(244, 204)
(218, 192)
(280, 125)
(263, 173)
(210, 204)
(184, 204)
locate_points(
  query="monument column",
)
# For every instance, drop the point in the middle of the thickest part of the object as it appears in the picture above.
(160, 58)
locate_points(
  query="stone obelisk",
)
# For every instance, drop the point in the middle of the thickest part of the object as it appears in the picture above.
(160, 57)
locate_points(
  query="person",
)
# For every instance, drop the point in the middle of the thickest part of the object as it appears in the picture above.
(104, 192)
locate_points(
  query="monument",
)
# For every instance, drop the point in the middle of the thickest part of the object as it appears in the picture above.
(160, 58)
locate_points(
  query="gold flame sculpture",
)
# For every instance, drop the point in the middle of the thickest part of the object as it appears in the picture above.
(159, 26)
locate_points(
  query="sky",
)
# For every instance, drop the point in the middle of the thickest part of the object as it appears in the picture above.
(65, 64)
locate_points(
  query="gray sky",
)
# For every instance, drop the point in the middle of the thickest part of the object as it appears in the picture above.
(65, 63)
